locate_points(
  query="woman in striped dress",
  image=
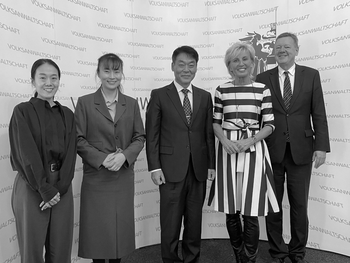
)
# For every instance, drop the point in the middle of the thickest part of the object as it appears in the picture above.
(244, 183)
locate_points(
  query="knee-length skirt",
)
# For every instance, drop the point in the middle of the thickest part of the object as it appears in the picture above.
(244, 181)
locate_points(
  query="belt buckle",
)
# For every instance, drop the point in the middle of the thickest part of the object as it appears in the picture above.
(53, 167)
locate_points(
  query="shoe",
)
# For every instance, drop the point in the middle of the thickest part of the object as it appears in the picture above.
(277, 260)
(299, 260)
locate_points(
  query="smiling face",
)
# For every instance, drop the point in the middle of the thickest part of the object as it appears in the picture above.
(46, 82)
(110, 76)
(285, 52)
(184, 68)
(241, 66)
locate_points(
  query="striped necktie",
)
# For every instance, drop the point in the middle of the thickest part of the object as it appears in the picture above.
(287, 90)
(187, 106)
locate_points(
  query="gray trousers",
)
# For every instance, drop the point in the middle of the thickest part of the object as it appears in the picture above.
(51, 229)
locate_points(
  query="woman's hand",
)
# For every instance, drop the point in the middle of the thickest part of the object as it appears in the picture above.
(230, 146)
(107, 163)
(117, 160)
(51, 203)
(244, 144)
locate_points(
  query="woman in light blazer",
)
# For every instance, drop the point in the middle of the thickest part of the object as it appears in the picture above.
(110, 137)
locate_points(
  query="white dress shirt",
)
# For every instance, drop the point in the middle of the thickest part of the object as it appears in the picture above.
(291, 74)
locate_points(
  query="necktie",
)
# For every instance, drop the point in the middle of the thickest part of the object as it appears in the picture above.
(187, 106)
(287, 96)
(287, 90)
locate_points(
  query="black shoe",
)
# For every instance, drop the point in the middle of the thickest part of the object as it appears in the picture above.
(299, 260)
(240, 256)
(277, 260)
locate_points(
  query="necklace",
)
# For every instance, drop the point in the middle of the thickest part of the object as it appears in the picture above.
(255, 101)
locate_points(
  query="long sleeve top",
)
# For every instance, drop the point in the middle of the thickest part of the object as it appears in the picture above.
(39, 135)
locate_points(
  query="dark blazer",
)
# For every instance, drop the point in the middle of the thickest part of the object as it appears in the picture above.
(28, 148)
(170, 141)
(305, 119)
(98, 135)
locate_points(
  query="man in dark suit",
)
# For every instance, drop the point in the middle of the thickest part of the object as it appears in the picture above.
(300, 138)
(180, 155)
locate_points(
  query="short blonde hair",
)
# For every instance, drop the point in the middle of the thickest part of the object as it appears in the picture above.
(233, 51)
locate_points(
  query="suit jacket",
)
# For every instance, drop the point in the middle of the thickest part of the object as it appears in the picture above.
(170, 141)
(98, 135)
(306, 118)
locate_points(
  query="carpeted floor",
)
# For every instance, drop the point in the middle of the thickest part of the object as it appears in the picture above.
(219, 251)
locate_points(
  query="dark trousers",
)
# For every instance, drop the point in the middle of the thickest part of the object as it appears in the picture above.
(298, 184)
(181, 201)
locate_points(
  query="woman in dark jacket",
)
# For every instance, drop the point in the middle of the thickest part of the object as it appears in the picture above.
(43, 151)
(110, 137)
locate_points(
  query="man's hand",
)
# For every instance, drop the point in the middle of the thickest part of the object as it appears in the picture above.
(158, 177)
(319, 157)
(211, 174)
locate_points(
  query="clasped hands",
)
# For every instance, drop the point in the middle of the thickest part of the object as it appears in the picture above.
(50, 203)
(232, 146)
(114, 161)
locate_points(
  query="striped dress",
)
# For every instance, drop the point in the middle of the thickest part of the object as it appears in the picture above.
(244, 181)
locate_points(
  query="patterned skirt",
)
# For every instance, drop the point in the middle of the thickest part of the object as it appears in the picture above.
(244, 181)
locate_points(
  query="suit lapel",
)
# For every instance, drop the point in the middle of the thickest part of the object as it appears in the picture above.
(100, 104)
(121, 106)
(275, 84)
(175, 99)
(197, 98)
(297, 84)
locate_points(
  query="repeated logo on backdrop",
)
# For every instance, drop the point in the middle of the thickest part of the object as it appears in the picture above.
(264, 46)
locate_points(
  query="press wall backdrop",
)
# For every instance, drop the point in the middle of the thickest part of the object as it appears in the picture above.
(75, 33)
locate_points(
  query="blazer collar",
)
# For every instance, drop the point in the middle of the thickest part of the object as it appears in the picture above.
(101, 107)
(121, 106)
